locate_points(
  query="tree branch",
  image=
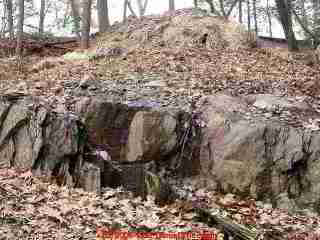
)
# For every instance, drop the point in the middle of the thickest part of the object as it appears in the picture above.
(131, 9)
(232, 7)
(304, 27)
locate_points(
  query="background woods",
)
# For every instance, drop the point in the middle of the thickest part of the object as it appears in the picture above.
(279, 18)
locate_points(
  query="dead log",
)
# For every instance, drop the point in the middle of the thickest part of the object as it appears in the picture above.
(227, 226)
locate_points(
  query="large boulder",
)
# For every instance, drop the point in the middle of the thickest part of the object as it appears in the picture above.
(51, 144)
(141, 141)
(261, 158)
(56, 145)
(132, 134)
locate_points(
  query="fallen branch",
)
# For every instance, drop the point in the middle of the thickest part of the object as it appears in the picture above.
(228, 227)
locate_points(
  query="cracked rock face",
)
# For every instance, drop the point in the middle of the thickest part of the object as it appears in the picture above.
(261, 159)
(33, 137)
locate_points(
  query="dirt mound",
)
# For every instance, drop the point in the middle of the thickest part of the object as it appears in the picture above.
(155, 59)
(184, 28)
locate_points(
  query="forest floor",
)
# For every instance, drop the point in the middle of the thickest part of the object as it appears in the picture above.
(34, 208)
(160, 62)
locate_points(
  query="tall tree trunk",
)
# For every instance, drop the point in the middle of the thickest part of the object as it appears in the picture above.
(195, 3)
(240, 11)
(316, 17)
(171, 5)
(248, 15)
(306, 29)
(255, 16)
(86, 20)
(20, 27)
(130, 8)
(142, 6)
(222, 8)
(9, 7)
(285, 10)
(103, 15)
(269, 18)
(76, 17)
(212, 7)
(42, 15)
(125, 8)
(231, 8)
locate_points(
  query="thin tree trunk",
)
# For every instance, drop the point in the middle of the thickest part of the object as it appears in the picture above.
(142, 7)
(9, 7)
(255, 16)
(222, 8)
(316, 17)
(240, 11)
(284, 10)
(212, 8)
(76, 17)
(248, 15)
(305, 27)
(171, 5)
(42, 16)
(103, 15)
(195, 3)
(20, 27)
(232, 7)
(4, 20)
(86, 20)
(125, 8)
(131, 9)
(269, 18)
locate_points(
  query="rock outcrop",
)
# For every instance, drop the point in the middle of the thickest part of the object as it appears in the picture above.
(142, 134)
(64, 149)
(137, 147)
(33, 137)
(259, 158)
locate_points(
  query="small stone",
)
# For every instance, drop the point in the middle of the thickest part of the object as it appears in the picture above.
(157, 83)
(267, 206)
(86, 81)
(268, 115)
(60, 108)
(92, 88)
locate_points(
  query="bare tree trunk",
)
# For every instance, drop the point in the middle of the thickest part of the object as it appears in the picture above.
(240, 11)
(305, 28)
(171, 5)
(222, 8)
(316, 17)
(231, 8)
(125, 8)
(195, 3)
(130, 8)
(269, 18)
(9, 7)
(142, 7)
(103, 15)
(212, 8)
(248, 15)
(4, 20)
(20, 27)
(42, 15)
(76, 17)
(86, 20)
(255, 16)
(284, 9)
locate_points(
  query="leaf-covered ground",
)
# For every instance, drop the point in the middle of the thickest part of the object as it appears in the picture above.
(34, 208)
